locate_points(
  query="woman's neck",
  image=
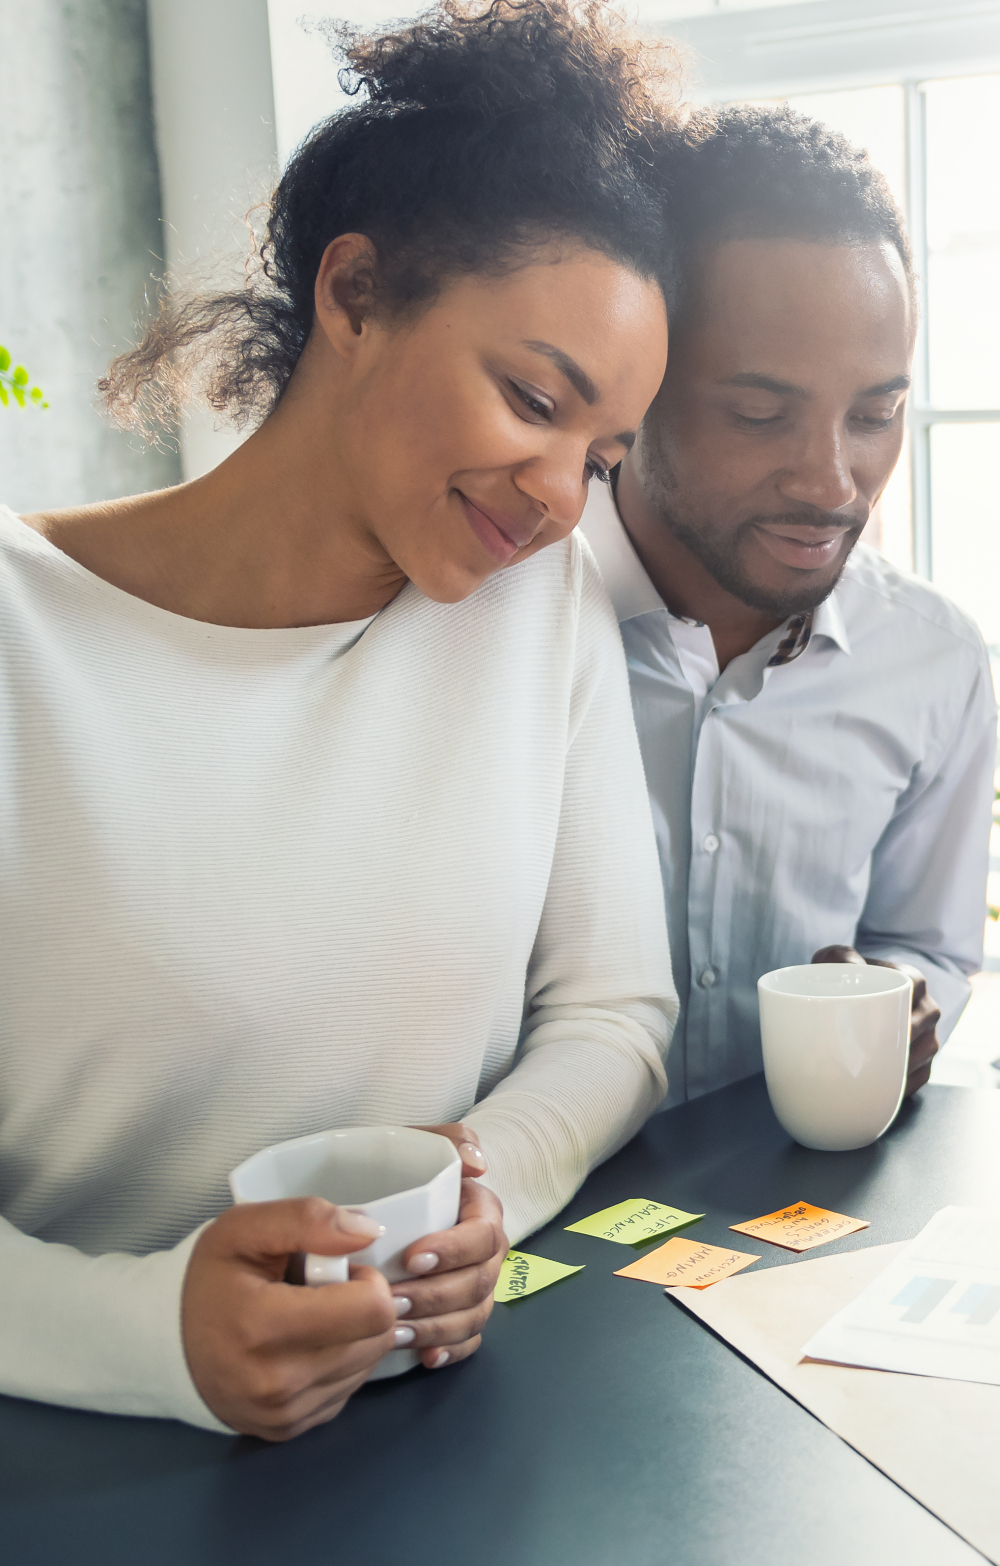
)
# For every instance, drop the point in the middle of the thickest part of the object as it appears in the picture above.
(271, 538)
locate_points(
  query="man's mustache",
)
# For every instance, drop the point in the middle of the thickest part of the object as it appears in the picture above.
(820, 520)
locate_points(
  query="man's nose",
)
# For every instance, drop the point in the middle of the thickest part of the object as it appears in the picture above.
(821, 474)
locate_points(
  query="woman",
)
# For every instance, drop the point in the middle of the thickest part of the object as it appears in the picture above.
(322, 802)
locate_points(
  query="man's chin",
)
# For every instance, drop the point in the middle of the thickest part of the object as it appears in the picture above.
(781, 603)
(780, 590)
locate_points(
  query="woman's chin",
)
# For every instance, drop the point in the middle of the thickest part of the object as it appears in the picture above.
(449, 582)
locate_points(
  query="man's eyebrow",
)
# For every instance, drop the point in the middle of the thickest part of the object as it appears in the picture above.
(766, 383)
(898, 383)
(787, 389)
(578, 379)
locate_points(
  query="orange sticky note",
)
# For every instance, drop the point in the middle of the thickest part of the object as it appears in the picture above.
(800, 1227)
(688, 1264)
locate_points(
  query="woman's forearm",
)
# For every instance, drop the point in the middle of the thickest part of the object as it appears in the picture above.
(98, 1332)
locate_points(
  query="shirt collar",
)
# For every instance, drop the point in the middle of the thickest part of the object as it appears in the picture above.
(624, 576)
(630, 589)
(828, 620)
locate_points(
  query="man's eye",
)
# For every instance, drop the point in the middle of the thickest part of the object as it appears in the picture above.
(746, 422)
(870, 423)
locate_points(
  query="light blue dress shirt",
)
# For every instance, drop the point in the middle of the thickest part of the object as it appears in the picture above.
(844, 797)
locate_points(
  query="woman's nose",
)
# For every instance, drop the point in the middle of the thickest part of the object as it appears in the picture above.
(555, 483)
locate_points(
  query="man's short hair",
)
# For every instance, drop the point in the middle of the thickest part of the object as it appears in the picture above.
(743, 172)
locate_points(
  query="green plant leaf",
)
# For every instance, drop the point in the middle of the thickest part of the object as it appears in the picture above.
(36, 394)
(21, 376)
(3, 394)
(17, 392)
(4, 359)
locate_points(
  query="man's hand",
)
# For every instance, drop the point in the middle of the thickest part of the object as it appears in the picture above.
(455, 1272)
(924, 1017)
(268, 1358)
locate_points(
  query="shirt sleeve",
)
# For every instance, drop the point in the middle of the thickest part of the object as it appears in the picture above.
(98, 1332)
(600, 1002)
(927, 900)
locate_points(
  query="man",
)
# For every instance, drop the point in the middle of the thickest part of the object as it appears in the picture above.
(818, 729)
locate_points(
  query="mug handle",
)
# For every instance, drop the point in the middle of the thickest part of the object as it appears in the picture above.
(313, 1270)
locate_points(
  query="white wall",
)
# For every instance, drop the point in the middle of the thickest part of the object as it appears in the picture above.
(81, 236)
(304, 68)
(214, 104)
(749, 51)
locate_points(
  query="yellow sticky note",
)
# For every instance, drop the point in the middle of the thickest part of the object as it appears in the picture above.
(800, 1226)
(634, 1221)
(687, 1264)
(522, 1274)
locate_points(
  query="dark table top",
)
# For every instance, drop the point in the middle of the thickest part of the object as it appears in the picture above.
(598, 1423)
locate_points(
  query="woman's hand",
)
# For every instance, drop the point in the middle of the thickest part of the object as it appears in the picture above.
(455, 1272)
(270, 1359)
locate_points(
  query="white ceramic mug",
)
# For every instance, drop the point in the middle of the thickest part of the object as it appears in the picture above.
(836, 1040)
(410, 1181)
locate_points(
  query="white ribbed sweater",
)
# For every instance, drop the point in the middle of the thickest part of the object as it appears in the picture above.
(259, 883)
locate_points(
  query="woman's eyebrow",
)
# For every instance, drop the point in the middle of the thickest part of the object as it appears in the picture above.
(578, 379)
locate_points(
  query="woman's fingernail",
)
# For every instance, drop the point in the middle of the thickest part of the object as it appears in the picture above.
(442, 1359)
(356, 1223)
(424, 1261)
(403, 1335)
(471, 1154)
(403, 1305)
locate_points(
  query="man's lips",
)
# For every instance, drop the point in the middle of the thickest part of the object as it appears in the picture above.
(498, 532)
(802, 547)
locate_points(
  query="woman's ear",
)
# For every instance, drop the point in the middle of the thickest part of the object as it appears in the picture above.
(345, 289)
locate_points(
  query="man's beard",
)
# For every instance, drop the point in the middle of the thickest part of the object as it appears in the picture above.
(720, 555)
(725, 565)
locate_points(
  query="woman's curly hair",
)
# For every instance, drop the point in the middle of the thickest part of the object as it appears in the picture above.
(482, 134)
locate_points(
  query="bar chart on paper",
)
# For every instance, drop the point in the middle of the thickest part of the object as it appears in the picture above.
(934, 1311)
(978, 1303)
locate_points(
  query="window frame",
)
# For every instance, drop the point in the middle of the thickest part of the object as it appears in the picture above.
(922, 414)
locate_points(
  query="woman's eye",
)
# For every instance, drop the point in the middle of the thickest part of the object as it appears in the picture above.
(542, 410)
(596, 470)
(875, 424)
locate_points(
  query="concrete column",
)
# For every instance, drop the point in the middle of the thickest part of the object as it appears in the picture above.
(214, 107)
(81, 237)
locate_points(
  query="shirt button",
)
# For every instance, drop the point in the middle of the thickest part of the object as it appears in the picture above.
(710, 843)
(707, 978)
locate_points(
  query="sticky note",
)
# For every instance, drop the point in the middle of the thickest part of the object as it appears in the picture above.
(800, 1226)
(687, 1264)
(522, 1274)
(633, 1222)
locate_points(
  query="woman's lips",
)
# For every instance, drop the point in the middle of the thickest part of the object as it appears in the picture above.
(491, 535)
(804, 549)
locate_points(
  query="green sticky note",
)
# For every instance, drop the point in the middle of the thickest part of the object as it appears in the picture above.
(521, 1274)
(633, 1222)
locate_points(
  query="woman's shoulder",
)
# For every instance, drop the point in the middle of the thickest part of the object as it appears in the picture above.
(22, 541)
(564, 575)
(29, 558)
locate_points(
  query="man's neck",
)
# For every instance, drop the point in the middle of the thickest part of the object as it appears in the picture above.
(686, 587)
